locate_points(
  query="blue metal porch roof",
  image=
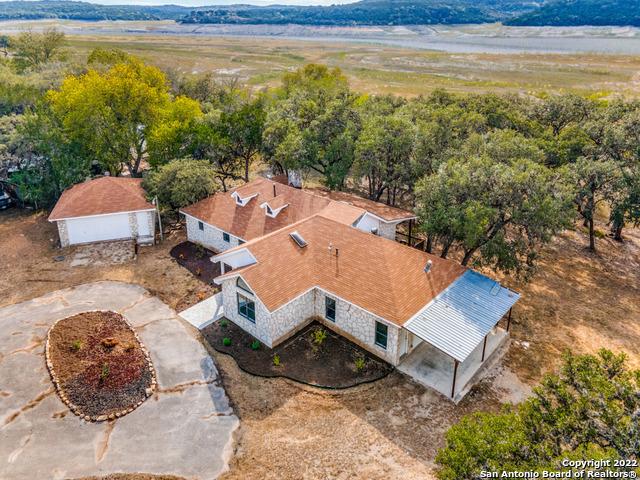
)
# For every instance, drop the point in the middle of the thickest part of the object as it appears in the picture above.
(459, 318)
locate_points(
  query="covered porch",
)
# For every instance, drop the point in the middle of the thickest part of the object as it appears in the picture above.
(434, 369)
(457, 334)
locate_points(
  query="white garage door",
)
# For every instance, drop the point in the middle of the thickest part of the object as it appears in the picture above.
(96, 229)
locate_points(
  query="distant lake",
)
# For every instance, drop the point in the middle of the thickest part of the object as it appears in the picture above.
(487, 38)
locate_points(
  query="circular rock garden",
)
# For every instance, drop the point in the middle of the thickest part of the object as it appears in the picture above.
(98, 364)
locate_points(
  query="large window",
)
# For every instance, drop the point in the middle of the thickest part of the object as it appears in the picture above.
(381, 335)
(247, 308)
(330, 309)
(225, 237)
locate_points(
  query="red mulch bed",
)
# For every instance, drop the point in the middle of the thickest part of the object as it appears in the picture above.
(100, 365)
(196, 259)
(331, 365)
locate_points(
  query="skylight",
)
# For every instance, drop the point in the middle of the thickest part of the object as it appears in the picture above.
(298, 239)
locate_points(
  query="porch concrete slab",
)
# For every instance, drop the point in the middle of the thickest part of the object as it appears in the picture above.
(434, 369)
(205, 312)
(185, 428)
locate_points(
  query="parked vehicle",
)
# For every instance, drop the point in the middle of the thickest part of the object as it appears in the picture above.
(5, 200)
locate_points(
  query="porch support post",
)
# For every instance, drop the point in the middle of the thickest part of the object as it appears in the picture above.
(484, 347)
(455, 373)
(223, 272)
(509, 319)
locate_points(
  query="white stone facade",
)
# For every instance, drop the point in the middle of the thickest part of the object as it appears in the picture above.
(271, 328)
(210, 237)
(63, 233)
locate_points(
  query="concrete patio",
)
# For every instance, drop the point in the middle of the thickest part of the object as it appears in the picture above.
(434, 369)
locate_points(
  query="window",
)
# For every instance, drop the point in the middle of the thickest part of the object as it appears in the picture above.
(238, 200)
(226, 237)
(243, 285)
(330, 309)
(269, 211)
(381, 335)
(200, 226)
(247, 308)
(240, 242)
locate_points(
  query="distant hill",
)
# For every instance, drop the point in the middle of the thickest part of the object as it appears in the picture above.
(364, 12)
(25, 10)
(368, 12)
(581, 13)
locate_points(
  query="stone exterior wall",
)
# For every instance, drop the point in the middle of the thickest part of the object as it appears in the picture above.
(289, 318)
(209, 237)
(262, 328)
(360, 326)
(63, 233)
(133, 224)
(387, 230)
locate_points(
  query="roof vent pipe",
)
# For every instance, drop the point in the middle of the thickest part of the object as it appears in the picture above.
(274, 190)
(427, 267)
(337, 251)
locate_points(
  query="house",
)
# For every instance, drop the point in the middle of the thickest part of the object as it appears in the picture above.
(104, 209)
(289, 256)
(228, 219)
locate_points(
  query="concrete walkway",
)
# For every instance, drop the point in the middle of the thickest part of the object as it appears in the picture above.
(205, 312)
(185, 429)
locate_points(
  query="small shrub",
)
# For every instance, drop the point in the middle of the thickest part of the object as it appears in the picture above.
(201, 295)
(224, 323)
(104, 372)
(318, 336)
(226, 341)
(129, 346)
(109, 342)
(359, 362)
(198, 272)
(200, 252)
(599, 233)
(276, 360)
(255, 345)
(76, 345)
(181, 256)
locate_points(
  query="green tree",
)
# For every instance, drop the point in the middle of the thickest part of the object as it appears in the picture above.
(313, 124)
(181, 182)
(5, 42)
(119, 116)
(590, 410)
(597, 182)
(383, 156)
(31, 49)
(503, 210)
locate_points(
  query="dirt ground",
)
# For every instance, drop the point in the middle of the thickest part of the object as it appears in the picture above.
(30, 266)
(392, 428)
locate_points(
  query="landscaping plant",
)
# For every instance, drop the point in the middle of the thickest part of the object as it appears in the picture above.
(255, 345)
(226, 341)
(318, 336)
(104, 372)
(76, 345)
(359, 362)
(224, 323)
(276, 360)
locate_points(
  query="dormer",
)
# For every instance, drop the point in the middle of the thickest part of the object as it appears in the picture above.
(240, 200)
(274, 206)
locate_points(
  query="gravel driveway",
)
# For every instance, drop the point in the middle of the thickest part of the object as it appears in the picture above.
(186, 428)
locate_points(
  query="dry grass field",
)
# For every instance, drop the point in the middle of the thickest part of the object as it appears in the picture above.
(379, 69)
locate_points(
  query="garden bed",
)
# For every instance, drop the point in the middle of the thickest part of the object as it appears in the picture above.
(334, 363)
(100, 368)
(197, 260)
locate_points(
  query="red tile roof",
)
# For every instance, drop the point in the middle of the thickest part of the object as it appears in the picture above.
(379, 275)
(101, 196)
(250, 221)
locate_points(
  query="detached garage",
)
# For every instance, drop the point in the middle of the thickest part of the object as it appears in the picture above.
(104, 209)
